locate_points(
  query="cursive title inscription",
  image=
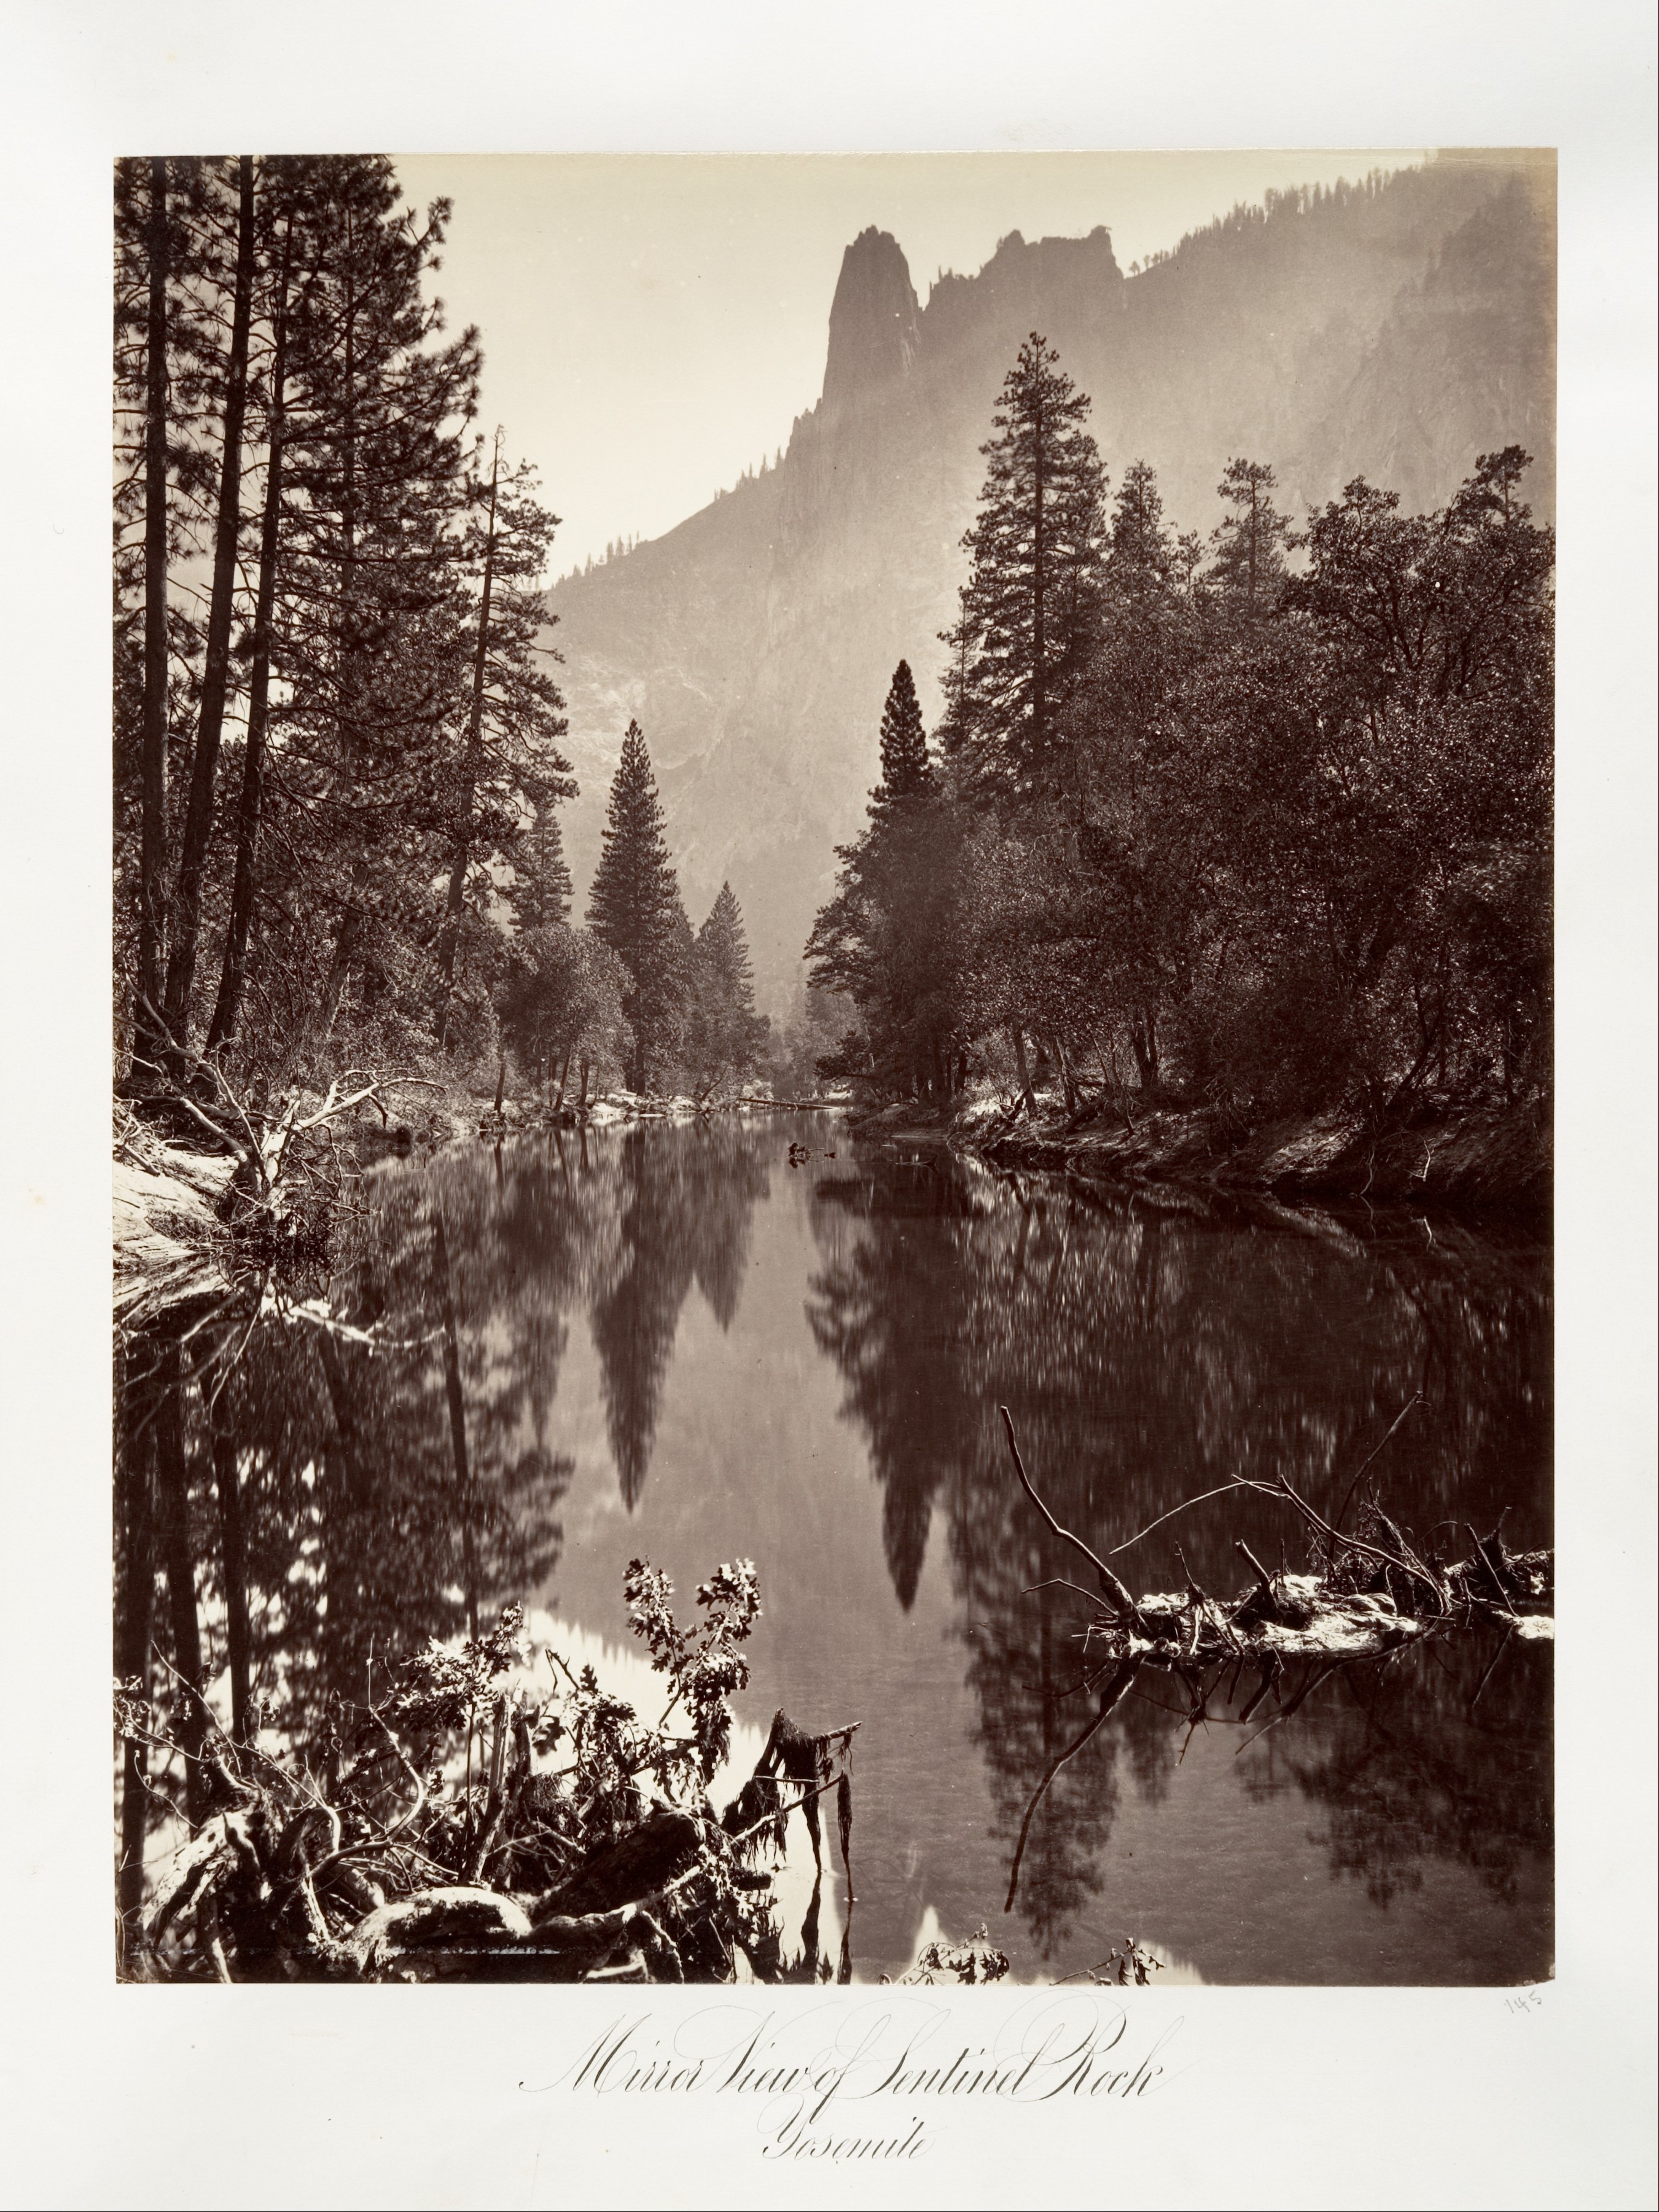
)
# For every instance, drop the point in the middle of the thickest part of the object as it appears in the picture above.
(866, 2083)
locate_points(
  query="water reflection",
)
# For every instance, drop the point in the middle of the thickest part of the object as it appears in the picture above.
(1150, 1353)
(325, 1497)
(682, 1209)
(289, 1523)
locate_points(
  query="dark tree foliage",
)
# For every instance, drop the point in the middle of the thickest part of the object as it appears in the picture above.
(1268, 831)
(1028, 607)
(906, 770)
(293, 584)
(724, 1038)
(508, 760)
(1250, 542)
(334, 716)
(541, 888)
(886, 938)
(559, 999)
(635, 906)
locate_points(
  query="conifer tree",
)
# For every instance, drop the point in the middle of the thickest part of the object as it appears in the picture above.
(905, 770)
(634, 907)
(1139, 555)
(514, 718)
(884, 938)
(1027, 609)
(360, 646)
(724, 1035)
(186, 912)
(1249, 542)
(541, 891)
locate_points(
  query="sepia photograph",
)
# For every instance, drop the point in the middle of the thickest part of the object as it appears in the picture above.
(834, 1088)
(828, 1371)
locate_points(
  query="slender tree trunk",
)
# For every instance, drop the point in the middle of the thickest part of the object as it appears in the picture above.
(136, 1596)
(227, 1008)
(564, 1077)
(473, 763)
(148, 1032)
(581, 1104)
(1143, 1040)
(215, 677)
(232, 1549)
(1025, 1091)
(1039, 597)
(1066, 1076)
(346, 940)
(501, 1082)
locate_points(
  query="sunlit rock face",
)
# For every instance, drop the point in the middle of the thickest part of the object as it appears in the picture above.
(1396, 332)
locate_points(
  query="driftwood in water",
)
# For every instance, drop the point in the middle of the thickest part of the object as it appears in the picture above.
(216, 1196)
(1368, 1593)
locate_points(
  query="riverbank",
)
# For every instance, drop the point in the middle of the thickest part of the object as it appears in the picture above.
(180, 1238)
(1470, 1159)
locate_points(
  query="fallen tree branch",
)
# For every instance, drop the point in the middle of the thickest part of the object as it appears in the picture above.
(1115, 1590)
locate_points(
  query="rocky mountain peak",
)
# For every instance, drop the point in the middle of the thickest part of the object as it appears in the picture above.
(875, 322)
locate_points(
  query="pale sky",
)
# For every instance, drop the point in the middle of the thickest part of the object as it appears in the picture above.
(652, 324)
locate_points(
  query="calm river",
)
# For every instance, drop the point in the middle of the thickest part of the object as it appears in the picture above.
(671, 1342)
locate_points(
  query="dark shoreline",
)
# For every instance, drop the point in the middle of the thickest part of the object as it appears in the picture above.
(1486, 1161)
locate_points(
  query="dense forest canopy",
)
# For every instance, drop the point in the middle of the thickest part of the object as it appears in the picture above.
(1263, 820)
(339, 760)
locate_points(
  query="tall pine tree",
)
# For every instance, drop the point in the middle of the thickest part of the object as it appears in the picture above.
(885, 939)
(1249, 542)
(634, 907)
(1027, 609)
(514, 721)
(905, 770)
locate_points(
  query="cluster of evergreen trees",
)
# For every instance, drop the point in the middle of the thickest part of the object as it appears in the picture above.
(636, 993)
(1265, 820)
(333, 723)
(337, 764)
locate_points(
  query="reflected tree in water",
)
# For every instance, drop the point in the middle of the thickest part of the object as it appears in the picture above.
(682, 1210)
(1443, 1755)
(1149, 1352)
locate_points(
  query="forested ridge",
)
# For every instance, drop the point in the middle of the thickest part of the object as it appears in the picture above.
(1258, 822)
(338, 730)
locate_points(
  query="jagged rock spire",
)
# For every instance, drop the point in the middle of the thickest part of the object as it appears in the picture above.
(875, 322)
